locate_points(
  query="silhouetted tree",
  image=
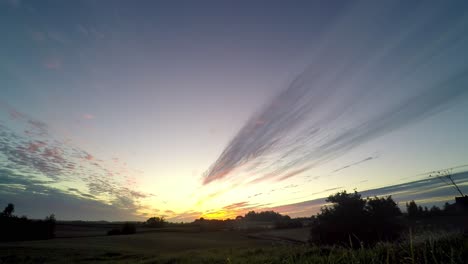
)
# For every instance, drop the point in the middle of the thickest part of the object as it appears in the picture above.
(343, 220)
(435, 211)
(450, 209)
(383, 213)
(266, 216)
(13, 228)
(351, 219)
(415, 211)
(384, 207)
(156, 222)
(214, 224)
(412, 209)
(9, 209)
(50, 225)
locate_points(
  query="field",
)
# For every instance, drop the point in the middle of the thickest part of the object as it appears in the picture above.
(86, 243)
(292, 236)
(188, 245)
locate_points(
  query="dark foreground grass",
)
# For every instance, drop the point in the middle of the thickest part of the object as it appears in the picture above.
(428, 248)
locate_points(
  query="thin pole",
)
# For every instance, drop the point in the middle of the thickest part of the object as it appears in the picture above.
(456, 186)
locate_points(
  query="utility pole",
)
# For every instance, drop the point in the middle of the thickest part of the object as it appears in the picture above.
(446, 177)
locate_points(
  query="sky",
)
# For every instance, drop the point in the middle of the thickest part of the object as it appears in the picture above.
(123, 110)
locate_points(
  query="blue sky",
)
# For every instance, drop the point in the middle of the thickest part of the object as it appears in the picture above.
(126, 110)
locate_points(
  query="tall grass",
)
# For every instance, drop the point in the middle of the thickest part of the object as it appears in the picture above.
(424, 248)
(427, 249)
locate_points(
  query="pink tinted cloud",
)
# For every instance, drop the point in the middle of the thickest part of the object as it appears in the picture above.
(300, 209)
(186, 216)
(35, 146)
(88, 116)
(38, 152)
(53, 153)
(16, 115)
(37, 124)
(260, 122)
(239, 205)
(88, 157)
(38, 128)
(53, 64)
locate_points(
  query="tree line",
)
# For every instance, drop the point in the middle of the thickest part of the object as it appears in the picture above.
(347, 219)
(14, 228)
(353, 220)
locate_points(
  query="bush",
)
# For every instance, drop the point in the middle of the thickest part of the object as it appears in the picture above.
(156, 222)
(384, 221)
(214, 224)
(114, 232)
(355, 221)
(266, 216)
(128, 228)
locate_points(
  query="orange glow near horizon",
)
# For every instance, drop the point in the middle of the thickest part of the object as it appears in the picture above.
(221, 215)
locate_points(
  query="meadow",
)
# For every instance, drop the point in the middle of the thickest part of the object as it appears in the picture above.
(184, 245)
(145, 245)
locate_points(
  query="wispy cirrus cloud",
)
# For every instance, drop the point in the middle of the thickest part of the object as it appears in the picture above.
(424, 191)
(236, 205)
(187, 216)
(354, 164)
(356, 90)
(233, 210)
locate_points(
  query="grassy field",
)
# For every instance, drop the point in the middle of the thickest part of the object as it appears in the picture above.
(83, 229)
(294, 235)
(88, 229)
(187, 246)
(126, 248)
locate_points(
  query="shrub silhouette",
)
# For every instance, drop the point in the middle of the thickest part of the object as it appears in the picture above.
(435, 211)
(415, 211)
(213, 224)
(128, 228)
(264, 219)
(267, 216)
(13, 228)
(114, 232)
(156, 222)
(354, 221)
